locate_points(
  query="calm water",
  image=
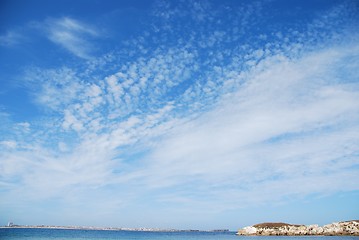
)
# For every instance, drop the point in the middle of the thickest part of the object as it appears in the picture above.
(44, 234)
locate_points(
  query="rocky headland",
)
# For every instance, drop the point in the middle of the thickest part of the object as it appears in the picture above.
(348, 228)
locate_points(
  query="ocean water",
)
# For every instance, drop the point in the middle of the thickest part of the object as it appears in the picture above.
(61, 234)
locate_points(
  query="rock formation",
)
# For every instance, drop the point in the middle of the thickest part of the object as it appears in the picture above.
(350, 228)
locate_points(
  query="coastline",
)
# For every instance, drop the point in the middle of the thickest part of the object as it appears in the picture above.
(346, 228)
(109, 228)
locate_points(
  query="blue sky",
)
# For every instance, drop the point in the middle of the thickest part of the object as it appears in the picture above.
(179, 114)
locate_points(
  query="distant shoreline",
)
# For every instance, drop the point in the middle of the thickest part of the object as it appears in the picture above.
(110, 229)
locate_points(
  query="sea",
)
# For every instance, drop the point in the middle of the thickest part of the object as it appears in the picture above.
(63, 234)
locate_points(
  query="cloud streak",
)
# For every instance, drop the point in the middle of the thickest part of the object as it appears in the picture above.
(72, 35)
(11, 38)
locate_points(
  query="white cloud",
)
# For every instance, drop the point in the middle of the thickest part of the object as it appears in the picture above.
(54, 88)
(70, 121)
(73, 35)
(23, 126)
(8, 144)
(11, 38)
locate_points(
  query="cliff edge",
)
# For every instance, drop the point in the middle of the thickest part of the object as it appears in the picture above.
(350, 228)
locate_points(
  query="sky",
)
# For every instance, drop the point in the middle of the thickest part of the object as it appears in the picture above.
(179, 114)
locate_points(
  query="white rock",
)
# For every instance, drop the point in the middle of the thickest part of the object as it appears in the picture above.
(250, 230)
